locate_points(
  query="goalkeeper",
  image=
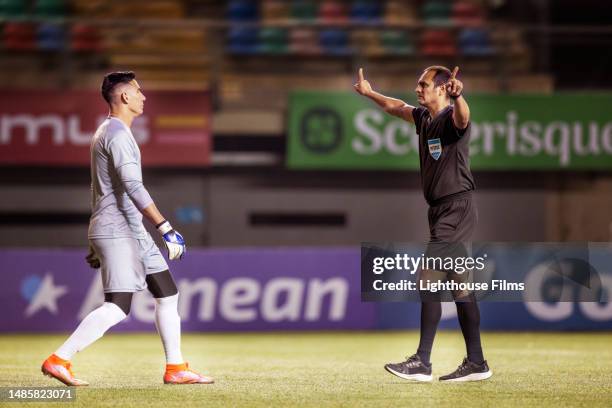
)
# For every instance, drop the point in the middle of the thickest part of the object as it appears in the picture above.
(119, 244)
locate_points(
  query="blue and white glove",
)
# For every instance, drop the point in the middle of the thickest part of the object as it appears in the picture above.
(173, 240)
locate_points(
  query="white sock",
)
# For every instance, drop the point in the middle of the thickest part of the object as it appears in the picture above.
(92, 327)
(168, 324)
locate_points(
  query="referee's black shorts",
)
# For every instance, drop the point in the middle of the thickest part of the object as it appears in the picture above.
(452, 221)
(452, 218)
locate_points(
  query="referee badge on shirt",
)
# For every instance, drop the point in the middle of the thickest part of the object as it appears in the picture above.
(435, 148)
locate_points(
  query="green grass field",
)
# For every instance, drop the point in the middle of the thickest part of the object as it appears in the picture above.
(323, 369)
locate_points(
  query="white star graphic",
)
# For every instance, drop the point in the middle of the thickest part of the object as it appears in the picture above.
(46, 296)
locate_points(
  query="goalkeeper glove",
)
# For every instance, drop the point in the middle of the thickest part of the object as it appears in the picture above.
(173, 240)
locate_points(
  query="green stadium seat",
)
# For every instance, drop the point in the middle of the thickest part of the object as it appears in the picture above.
(437, 13)
(273, 40)
(397, 42)
(49, 8)
(303, 10)
(12, 8)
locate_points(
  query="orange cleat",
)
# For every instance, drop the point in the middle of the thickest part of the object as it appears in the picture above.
(60, 369)
(181, 374)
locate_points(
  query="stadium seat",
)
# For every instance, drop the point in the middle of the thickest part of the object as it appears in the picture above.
(334, 42)
(50, 37)
(367, 42)
(242, 11)
(475, 42)
(303, 10)
(365, 11)
(12, 8)
(273, 40)
(304, 41)
(84, 38)
(333, 12)
(274, 11)
(465, 13)
(397, 42)
(436, 13)
(19, 37)
(49, 8)
(243, 41)
(399, 12)
(510, 39)
(438, 43)
(162, 9)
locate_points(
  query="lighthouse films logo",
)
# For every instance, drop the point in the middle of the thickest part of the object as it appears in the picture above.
(521, 272)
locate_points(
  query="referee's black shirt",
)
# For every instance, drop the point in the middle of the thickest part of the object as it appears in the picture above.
(439, 137)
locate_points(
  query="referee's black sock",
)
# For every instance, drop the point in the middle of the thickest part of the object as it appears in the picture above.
(430, 317)
(469, 319)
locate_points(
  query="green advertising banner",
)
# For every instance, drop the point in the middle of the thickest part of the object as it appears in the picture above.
(343, 130)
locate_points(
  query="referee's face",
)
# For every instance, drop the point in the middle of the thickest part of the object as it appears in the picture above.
(426, 91)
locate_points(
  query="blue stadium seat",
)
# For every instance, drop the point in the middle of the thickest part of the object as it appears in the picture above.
(334, 41)
(50, 37)
(242, 11)
(365, 11)
(243, 41)
(475, 42)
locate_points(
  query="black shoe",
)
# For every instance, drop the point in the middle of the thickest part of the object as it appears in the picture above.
(469, 371)
(411, 369)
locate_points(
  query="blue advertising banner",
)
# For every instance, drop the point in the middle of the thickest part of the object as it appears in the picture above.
(258, 289)
(220, 289)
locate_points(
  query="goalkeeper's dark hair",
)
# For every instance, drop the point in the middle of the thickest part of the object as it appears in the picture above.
(441, 76)
(111, 80)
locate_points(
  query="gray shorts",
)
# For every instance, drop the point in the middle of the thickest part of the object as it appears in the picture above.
(125, 262)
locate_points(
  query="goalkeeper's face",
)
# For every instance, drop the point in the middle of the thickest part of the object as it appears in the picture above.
(134, 97)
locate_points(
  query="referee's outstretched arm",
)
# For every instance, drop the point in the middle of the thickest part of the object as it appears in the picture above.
(461, 111)
(395, 107)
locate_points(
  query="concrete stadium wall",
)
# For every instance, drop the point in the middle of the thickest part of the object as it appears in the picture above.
(41, 208)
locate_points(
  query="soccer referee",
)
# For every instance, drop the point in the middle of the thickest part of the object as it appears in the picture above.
(443, 124)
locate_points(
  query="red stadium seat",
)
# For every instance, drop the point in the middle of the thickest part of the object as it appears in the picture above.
(19, 36)
(85, 38)
(333, 12)
(465, 13)
(438, 43)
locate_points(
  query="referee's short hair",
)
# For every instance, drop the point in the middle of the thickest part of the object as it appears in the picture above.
(113, 79)
(441, 76)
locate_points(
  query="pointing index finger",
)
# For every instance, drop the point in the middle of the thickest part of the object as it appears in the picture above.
(454, 73)
(360, 74)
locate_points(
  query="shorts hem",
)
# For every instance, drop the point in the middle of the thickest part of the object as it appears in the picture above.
(131, 290)
(161, 270)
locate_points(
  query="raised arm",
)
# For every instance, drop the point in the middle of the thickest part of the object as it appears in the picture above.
(393, 106)
(461, 110)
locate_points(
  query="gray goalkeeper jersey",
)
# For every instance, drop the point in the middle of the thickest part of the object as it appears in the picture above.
(117, 192)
